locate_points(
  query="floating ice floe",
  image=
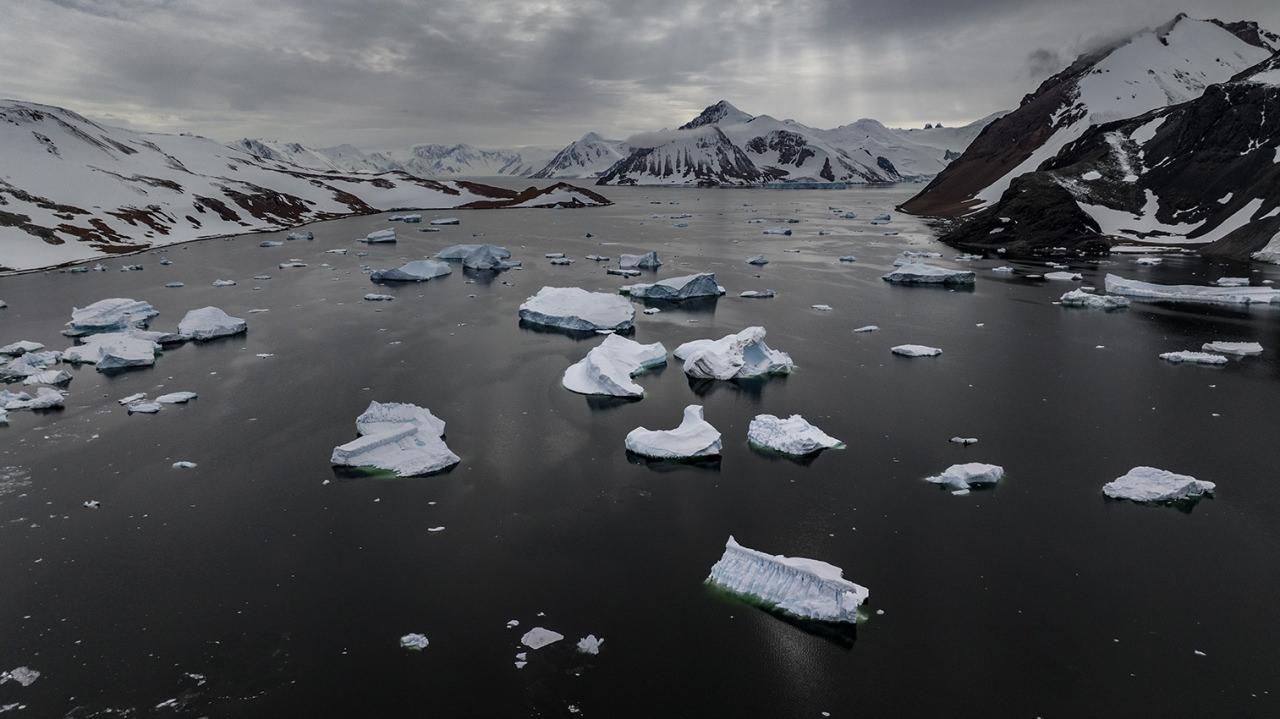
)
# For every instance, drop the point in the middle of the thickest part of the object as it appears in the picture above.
(29, 364)
(848, 258)
(1148, 484)
(621, 272)
(915, 273)
(793, 435)
(224, 283)
(651, 310)
(868, 328)
(479, 257)
(375, 297)
(553, 255)
(303, 235)
(676, 289)
(647, 261)
(1193, 357)
(21, 347)
(562, 261)
(270, 243)
(209, 323)
(113, 351)
(446, 221)
(777, 231)
(758, 260)
(175, 285)
(415, 271)
(961, 477)
(402, 438)
(1233, 348)
(44, 398)
(738, 356)
(576, 309)
(291, 263)
(694, 438)
(805, 588)
(821, 308)
(380, 236)
(1149, 261)
(176, 397)
(608, 368)
(413, 641)
(1004, 270)
(1067, 276)
(1117, 285)
(597, 258)
(1088, 300)
(184, 464)
(965, 441)
(539, 637)
(590, 644)
(144, 407)
(757, 294)
(1232, 282)
(109, 315)
(916, 351)
(24, 676)
(54, 377)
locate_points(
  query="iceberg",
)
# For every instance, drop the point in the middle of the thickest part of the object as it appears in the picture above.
(224, 283)
(176, 397)
(757, 294)
(793, 436)
(388, 235)
(1148, 484)
(573, 308)
(375, 297)
(805, 588)
(1233, 348)
(777, 231)
(45, 398)
(402, 438)
(916, 351)
(758, 260)
(538, 637)
(1193, 357)
(413, 641)
(867, 328)
(21, 347)
(478, 257)
(737, 356)
(50, 376)
(961, 477)
(608, 368)
(1152, 292)
(416, 271)
(110, 315)
(446, 221)
(113, 351)
(1068, 276)
(590, 644)
(676, 289)
(647, 261)
(209, 323)
(621, 272)
(24, 676)
(848, 258)
(304, 235)
(964, 441)
(270, 243)
(914, 273)
(31, 363)
(144, 407)
(290, 263)
(694, 438)
(1080, 298)
(1232, 282)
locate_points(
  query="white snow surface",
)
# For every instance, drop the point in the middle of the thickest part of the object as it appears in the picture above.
(209, 323)
(399, 437)
(109, 315)
(921, 273)
(806, 588)
(576, 309)
(1153, 292)
(608, 368)
(539, 637)
(1088, 300)
(1148, 484)
(694, 438)
(793, 435)
(962, 477)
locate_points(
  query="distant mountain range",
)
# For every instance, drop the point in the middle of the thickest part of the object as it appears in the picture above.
(722, 145)
(1171, 136)
(72, 189)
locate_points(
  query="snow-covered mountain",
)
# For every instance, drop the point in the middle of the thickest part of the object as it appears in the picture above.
(1155, 68)
(72, 189)
(590, 156)
(428, 161)
(1204, 173)
(724, 145)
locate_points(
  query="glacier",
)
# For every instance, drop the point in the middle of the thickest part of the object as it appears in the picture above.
(805, 588)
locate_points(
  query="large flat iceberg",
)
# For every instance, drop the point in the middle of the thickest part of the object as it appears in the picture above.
(402, 438)
(919, 273)
(1088, 300)
(608, 368)
(1150, 291)
(113, 351)
(793, 435)
(415, 271)
(109, 315)
(738, 356)
(1148, 484)
(806, 588)
(576, 309)
(693, 439)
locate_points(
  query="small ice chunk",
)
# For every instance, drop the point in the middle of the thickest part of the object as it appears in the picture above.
(694, 438)
(848, 258)
(806, 588)
(478, 257)
(608, 368)
(651, 310)
(1193, 357)
(777, 231)
(1148, 484)
(738, 356)
(1231, 348)
(184, 464)
(270, 243)
(446, 221)
(416, 271)
(621, 272)
(1232, 282)
(224, 283)
(590, 644)
(55, 377)
(647, 261)
(1149, 261)
(175, 285)
(132, 398)
(676, 289)
(921, 273)
(209, 323)
(399, 437)
(758, 260)
(554, 255)
(291, 263)
(821, 308)
(793, 436)
(303, 235)
(176, 397)
(968, 475)
(1080, 298)
(868, 328)
(757, 294)
(1004, 270)
(375, 297)
(538, 637)
(25, 676)
(144, 407)
(45, 398)
(91, 504)
(576, 309)
(413, 641)
(21, 347)
(562, 261)
(916, 351)
(1067, 276)
(966, 441)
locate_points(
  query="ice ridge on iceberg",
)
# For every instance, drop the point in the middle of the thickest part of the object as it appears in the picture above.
(806, 588)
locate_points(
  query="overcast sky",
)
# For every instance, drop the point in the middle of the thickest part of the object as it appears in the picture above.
(390, 73)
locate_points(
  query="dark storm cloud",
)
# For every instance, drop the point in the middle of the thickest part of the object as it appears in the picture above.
(387, 73)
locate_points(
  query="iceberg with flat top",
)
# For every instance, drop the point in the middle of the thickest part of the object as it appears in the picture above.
(576, 309)
(608, 368)
(478, 257)
(793, 436)
(1153, 292)
(805, 588)
(738, 356)
(647, 261)
(113, 351)
(1193, 357)
(919, 273)
(1233, 348)
(388, 235)
(415, 271)
(209, 323)
(1088, 300)
(675, 289)
(27, 365)
(21, 347)
(1148, 484)
(44, 398)
(693, 439)
(399, 437)
(961, 477)
(109, 315)
(916, 351)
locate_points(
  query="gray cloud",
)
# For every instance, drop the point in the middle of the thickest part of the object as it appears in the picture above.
(388, 73)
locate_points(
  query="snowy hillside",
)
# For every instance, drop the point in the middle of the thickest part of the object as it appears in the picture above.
(1203, 173)
(465, 160)
(724, 145)
(590, 156)
(1151, 69)
(71, 189)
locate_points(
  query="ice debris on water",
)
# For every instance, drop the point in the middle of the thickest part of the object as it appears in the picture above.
(109, 315)
(539, 637)
(1088, 300)
(675, 289)
(965, 441)
(176, 397)
(646, 261)
(24, 676)
(399, 437)
(694, 438)
(758, 260)
(805, 588)
(916, 351)
(375, 297)
(867, 328)
(1190, 357)
(757, 294)
(961, 477)
(608, 368)
(209, 323)
(792, 436)
(590, 644)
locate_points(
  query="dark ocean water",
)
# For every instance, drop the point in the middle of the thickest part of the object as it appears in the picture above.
(286, 585)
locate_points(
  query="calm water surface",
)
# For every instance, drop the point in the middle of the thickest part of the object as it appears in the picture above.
(265, 584)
